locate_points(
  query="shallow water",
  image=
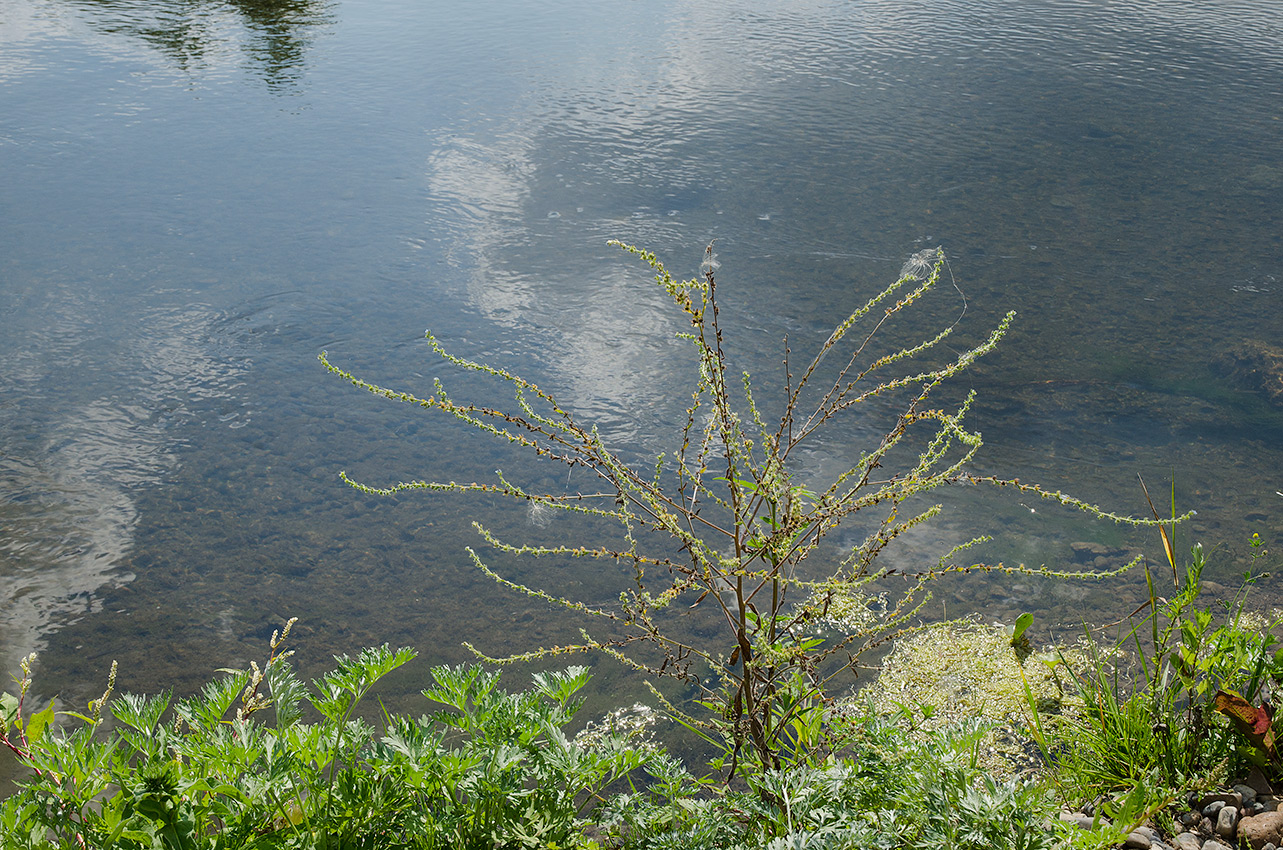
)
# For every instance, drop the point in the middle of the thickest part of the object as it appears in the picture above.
(199, 198)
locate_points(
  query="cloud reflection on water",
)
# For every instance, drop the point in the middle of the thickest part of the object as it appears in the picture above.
(72, 464)
(869, 113)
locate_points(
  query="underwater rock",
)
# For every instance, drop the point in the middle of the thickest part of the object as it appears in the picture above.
(1256, 366)
(1087, 552)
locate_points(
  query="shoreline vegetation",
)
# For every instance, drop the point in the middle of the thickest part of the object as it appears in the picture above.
(1157, 731)
(969, 738)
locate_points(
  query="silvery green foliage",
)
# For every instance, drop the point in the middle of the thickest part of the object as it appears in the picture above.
(488, 768)
(891, 789)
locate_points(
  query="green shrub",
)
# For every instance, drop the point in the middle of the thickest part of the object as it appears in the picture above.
(890, 788)
(238, 765)
(1146, 711)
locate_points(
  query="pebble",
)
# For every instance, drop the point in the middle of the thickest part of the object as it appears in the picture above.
(1231, 817)
(1227, 822)
(1226, 797)
(1261, 829)
(1079, 819)
(1137, 840)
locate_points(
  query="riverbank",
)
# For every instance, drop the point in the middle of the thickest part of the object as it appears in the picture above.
(969, 738)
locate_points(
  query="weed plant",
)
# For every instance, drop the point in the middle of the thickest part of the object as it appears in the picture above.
(890, 788)
(1169, 705)
(258, 760)
(741, 526)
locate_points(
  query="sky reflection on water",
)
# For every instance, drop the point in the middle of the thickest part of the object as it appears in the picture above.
(202, 196)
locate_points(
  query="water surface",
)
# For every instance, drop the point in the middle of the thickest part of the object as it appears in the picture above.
(199, 197)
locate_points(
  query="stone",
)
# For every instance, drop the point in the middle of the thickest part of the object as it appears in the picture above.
(1213, 844)
(1087, 552)
(1248, 793)
(1254, 365)
(1213, 808)
(1188, 841)
(1262, 829)
(1229, 798)
(1078, 819)
(1138, 840)
(1257, 782)
(1227, 822)
(1213, 587)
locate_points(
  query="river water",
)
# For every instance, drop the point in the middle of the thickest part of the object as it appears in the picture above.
(199, 197)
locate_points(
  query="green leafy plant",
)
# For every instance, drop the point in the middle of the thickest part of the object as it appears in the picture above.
(1146, 712)
(740, 529)
(891, 788)
(241, 765)
(499, 767)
